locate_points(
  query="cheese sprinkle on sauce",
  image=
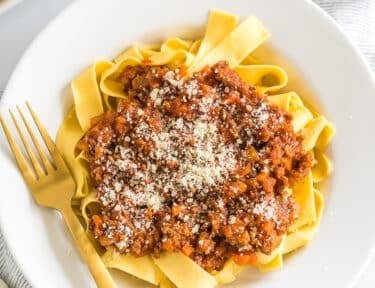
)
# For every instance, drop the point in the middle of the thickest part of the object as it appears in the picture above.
(199, 165)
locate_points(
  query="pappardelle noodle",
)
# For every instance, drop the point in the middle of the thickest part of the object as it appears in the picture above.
(195, 157)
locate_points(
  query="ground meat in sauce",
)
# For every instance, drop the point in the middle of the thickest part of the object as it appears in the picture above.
(199, 165)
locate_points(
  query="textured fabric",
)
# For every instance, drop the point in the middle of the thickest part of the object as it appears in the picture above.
(2, 284)
(356, 17)
(9, 271)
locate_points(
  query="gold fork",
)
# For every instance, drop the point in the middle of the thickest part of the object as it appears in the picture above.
(52, 186)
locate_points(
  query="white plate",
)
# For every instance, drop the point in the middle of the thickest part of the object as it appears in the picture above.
(91, 30)
(7, 4)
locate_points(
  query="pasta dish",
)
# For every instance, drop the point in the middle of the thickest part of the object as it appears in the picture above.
(190, 163)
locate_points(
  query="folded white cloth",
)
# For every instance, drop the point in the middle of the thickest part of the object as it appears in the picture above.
(356, 17)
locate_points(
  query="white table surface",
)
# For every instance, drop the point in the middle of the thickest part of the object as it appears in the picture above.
(21, 24)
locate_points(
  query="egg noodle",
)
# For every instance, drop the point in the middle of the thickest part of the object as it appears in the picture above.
(96, 90)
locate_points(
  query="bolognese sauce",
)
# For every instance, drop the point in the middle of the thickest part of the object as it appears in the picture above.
(199, 165)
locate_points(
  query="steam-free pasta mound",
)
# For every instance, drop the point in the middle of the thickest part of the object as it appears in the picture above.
(190, 165)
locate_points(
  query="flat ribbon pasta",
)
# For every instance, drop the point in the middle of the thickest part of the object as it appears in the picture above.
(70, 132)
(265, 78)
(141, 267)
(312, 132)
(87, 97)
(109, 84)
(187, 274)
(322, 167)
(292, 103)
(85, 204)
(219, 25)
(304, 234)
(305, 197)
(235, 47)
(229, 272)
(175, 52)
(98, 89)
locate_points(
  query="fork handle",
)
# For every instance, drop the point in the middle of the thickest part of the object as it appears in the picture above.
(96, 266)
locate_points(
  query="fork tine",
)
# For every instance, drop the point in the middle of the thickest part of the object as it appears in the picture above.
(38, 169)
(47, 165)
(21, 161)
(46, 138)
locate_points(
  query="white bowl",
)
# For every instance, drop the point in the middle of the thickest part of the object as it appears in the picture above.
(91, 30)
